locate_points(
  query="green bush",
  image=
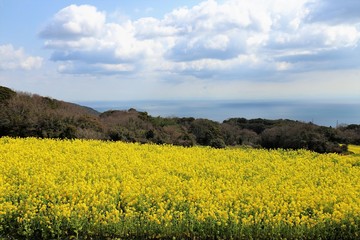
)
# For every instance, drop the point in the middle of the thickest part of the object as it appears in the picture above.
(6, 93)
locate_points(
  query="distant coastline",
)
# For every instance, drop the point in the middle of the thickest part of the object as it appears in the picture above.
(184, 123)
(325, 114)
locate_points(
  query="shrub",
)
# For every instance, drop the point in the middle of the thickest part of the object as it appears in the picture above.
(6, 93)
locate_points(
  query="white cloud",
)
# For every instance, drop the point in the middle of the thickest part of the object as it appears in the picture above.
(282, 66)
(94, 68)
(12, 59)
(341, 36)
(213, 38)
(74, 22)
(316, 36)
(150, 28)
(92, 41)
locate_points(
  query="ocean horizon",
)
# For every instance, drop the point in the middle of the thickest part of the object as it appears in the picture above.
(324, 114)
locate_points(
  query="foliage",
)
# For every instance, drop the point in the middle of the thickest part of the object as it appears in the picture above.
(297, 136)
(207, 132)
(6, 93)
(77, 189)
(26, 115)
(351, 133)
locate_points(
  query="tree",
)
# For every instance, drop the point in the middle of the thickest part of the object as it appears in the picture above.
(6, 93)
(205, 131)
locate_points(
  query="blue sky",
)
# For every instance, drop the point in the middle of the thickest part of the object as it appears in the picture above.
(136, 50)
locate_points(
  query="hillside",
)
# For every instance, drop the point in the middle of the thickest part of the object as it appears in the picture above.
(25, 115)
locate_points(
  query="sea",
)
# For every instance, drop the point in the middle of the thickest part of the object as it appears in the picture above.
(319, 113)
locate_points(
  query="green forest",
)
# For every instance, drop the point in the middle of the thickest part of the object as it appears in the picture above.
(30, 115)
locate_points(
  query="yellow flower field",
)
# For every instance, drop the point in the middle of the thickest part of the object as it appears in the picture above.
(354, 149)
(76, 189)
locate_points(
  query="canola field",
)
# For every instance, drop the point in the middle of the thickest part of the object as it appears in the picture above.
(77, 189)
(354, 148)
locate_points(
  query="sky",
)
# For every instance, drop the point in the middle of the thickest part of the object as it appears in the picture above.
(182, 50)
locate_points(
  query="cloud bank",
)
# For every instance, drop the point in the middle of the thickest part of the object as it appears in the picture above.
(13, 59)
(233, 39)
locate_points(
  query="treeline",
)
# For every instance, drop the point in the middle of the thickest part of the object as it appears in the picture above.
(24, 115)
